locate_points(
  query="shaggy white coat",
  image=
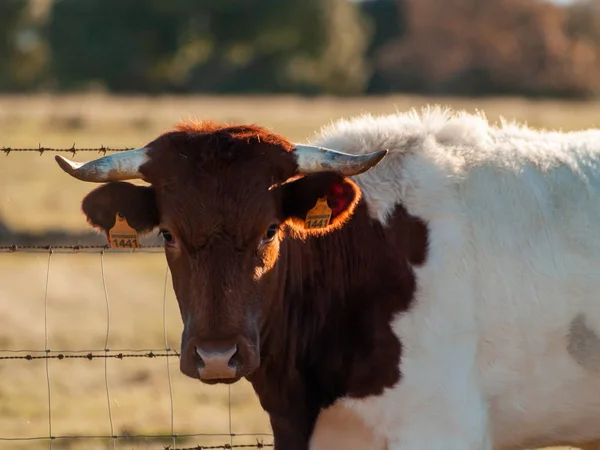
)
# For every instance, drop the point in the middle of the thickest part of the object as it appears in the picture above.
(514, 257)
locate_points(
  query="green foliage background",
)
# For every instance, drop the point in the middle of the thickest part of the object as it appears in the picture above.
(339, 47)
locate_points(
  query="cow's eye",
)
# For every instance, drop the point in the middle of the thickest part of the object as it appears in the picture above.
(168, 237)
(269, 234)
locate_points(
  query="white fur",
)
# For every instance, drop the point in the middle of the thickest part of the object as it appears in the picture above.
(514, 255)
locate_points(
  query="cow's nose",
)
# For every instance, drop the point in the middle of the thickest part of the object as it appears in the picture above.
(216, 363)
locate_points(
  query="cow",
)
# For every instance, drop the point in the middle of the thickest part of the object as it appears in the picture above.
(424, 280)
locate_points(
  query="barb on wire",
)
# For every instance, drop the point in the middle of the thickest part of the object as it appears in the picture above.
(41, 149)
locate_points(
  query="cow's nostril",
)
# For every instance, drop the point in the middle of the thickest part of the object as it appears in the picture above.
(233, 361)
(199, 361)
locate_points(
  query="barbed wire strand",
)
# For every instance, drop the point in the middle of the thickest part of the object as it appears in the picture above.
(167, 348)
(46, 349)
(15, 248)
(133, 436)
(226, 446)
(89, 356)
(146, 352)
(110, 418)
(41, 149)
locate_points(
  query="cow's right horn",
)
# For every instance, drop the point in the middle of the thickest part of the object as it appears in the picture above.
(312, 159)
(120, 166)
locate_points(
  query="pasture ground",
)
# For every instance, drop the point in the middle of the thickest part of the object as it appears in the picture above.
(35, 196)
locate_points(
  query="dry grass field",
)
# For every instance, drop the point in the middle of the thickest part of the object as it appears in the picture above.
(35, 195)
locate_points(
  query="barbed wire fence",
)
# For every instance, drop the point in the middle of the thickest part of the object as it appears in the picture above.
(47, 354)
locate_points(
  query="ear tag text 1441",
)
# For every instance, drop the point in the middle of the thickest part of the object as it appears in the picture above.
(121, 235)
(319, 215)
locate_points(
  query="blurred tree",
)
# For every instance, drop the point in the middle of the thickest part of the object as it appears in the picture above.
(465, 47)
(336, 64)
(224, 46)
(22, 54)
(583, 21)
(10, 14)
(388, 21)
(119, 43)
(583, 30)
(471, 47)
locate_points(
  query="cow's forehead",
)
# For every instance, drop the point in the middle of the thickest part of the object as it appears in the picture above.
(218, 179)
(222, 185)
(226, 194)
(231, 200)
(243, 152)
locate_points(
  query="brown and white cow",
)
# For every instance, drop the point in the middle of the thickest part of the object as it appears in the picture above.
(451, 301)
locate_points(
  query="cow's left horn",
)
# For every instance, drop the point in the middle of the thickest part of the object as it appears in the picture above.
(120, 166)
(313, 159)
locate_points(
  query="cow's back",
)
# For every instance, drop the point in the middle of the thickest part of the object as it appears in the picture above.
(518, 212)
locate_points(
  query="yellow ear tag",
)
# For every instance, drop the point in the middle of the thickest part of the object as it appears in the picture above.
(319, 216)
(121, 235)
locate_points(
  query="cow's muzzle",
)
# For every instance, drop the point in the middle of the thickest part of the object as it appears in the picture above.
(222, 361)
(216, 364)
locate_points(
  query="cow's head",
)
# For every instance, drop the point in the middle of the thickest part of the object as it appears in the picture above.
(224, 198)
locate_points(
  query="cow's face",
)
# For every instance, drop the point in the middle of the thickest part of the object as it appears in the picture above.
(224, 200)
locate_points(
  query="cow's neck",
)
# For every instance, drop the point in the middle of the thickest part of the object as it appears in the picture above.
(329, 334)
(321, 276)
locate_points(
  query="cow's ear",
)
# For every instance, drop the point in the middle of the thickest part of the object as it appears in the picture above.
(136, 203)
(319, 203)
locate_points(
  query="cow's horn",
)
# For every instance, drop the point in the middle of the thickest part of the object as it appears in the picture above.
(313, 159)
(119, 166)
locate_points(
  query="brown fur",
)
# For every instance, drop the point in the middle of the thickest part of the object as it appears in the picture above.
(310, 311)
